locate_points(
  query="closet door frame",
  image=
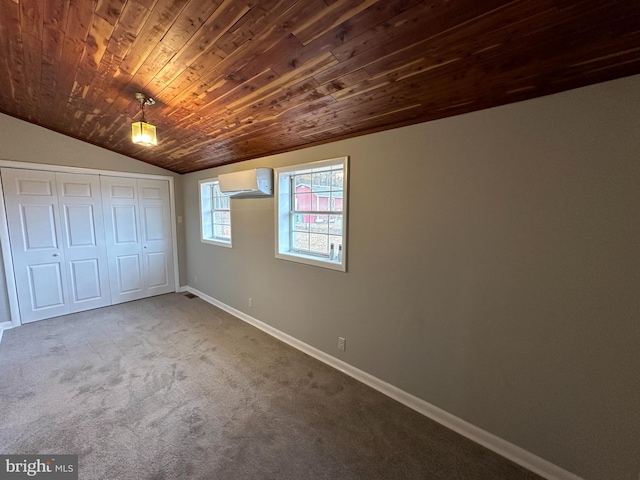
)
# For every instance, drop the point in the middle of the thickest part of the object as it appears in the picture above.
(7, 258)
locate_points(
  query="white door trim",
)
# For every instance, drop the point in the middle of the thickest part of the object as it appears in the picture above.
(7, 259)
(88, 171)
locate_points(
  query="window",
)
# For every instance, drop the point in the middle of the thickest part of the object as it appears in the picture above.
(311, 213)
(215, 214)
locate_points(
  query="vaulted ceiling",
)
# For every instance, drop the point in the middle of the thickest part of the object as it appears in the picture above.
(240, 79)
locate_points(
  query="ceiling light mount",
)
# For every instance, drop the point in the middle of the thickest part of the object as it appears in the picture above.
(144, 99)
(142, 132)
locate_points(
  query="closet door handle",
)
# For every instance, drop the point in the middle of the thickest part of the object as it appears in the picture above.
(145, 246)
(56, 254)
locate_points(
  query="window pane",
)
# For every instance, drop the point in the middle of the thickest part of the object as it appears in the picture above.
(321, 201)
(316, 179)
(216, 217)
(303, 180)
(319, 244)
(321, 181)
(222, 231)
(300, 241)
(336, 201)
(336, 178)
(222, 203)
(320, 224)
(335, 224)
(336, 240)
(301, 222)
(303, 200)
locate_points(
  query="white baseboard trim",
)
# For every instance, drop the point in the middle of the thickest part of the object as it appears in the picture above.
(488, 440)
(5, 326)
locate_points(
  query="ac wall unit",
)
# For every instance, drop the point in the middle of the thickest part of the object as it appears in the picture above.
(257, 182)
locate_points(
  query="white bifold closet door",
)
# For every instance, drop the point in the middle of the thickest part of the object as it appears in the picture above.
(57, 242)
(138, 234)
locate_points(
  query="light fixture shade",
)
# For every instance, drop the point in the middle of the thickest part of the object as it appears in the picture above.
(144, 133)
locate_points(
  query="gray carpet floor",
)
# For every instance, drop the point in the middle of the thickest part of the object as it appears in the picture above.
(174, 388)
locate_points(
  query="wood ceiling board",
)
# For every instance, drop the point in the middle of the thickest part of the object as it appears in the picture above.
(240, 79)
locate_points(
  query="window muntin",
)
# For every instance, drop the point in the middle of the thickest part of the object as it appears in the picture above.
(311, 213)
(215, 214)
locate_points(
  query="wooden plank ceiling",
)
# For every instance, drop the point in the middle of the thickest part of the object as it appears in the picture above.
(240, 79)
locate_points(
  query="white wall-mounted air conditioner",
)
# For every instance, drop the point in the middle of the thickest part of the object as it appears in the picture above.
(257, 182)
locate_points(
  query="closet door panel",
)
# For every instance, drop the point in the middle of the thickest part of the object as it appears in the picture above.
(129, 274)
(34, 223)
(125, 229)
(46, 287)
(121, 218)
(157, 241)
(157, 270)
(38, 226)
(85, 249)
(85, 280)
(80, 222)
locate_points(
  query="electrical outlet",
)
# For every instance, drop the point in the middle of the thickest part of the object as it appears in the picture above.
(250, 302)
(342, 344)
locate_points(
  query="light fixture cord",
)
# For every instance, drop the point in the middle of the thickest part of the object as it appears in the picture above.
(142, 102)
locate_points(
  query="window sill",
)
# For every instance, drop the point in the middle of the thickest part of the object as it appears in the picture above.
(218, 243)
(311, 260)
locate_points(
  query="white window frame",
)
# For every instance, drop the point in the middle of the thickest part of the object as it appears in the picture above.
(283, 214)
(221, 242)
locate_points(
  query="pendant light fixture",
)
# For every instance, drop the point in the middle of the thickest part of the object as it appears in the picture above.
(144, 133)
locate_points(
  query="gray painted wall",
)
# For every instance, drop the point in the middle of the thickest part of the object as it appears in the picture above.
(24, 142)
(494, 264)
